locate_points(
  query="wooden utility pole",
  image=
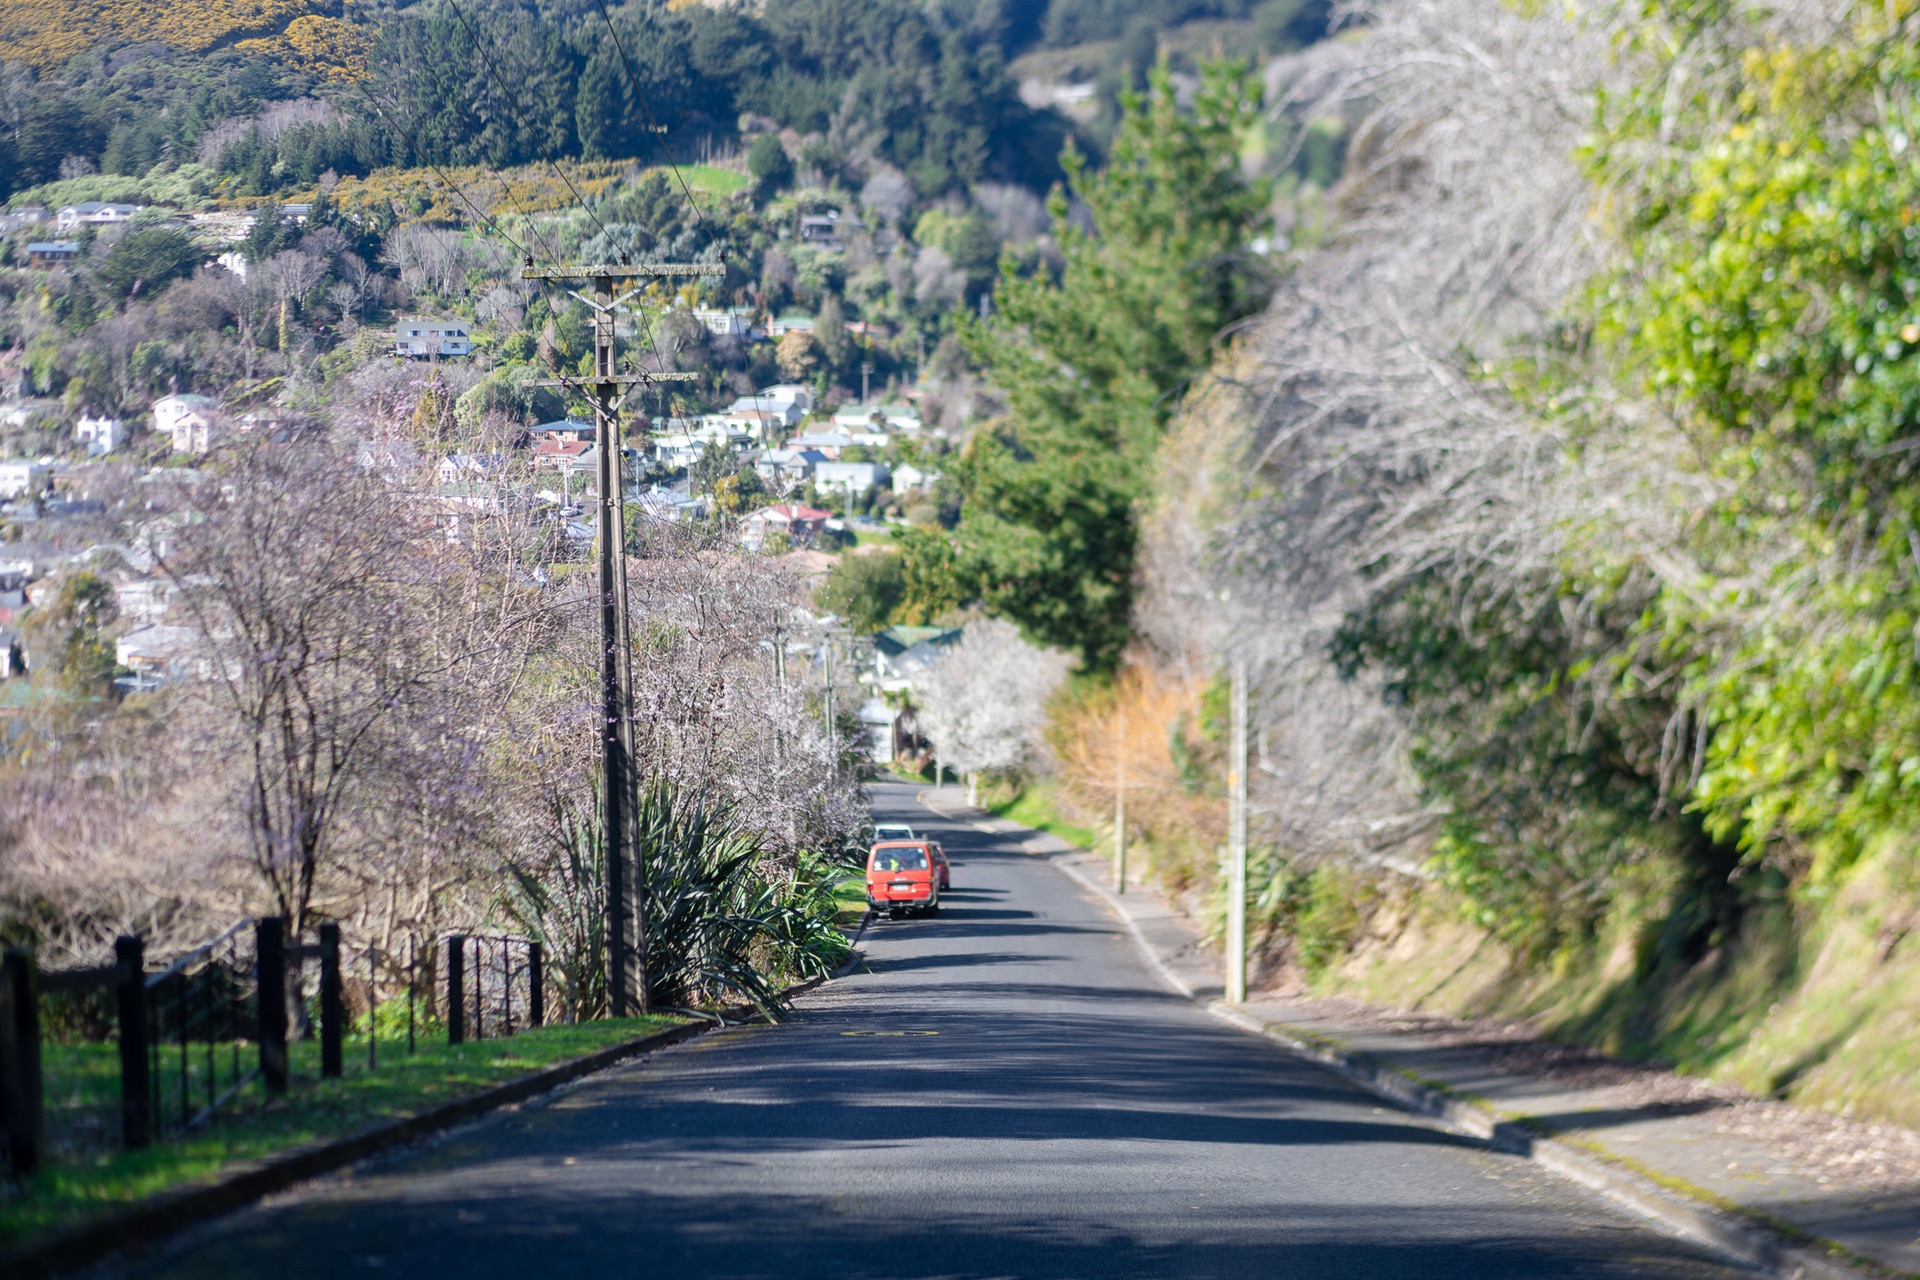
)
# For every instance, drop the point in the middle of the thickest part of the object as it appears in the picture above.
(625, 884)
(1237, 843)
(1119, 801)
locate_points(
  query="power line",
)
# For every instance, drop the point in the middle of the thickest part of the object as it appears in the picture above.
(500, 83)
(507, 186)
(445, 177)
(653, 125)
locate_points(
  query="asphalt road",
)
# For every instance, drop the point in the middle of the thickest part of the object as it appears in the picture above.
(1008, 1091)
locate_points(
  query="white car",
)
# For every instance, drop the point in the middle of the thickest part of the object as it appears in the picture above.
(892, 831)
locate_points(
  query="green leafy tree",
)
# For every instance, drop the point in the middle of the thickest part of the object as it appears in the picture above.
(866, 590)
(768, 163)
(146, 262)
(1092, 361)
(64, 636)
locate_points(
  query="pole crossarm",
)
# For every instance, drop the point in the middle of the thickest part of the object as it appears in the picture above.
(612, 379)
(624, 270)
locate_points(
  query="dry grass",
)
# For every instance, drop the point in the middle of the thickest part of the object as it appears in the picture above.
(1128, 735)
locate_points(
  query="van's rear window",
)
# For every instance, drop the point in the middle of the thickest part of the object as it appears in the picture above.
(900, 860)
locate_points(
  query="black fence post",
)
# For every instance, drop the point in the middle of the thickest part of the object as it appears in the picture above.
(536, 987)
(333, 1011)
(20, 1061)
(456, 989)
(270, 950)
(136, 1078)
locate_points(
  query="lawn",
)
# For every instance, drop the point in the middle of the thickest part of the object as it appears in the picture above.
(252, 1127)
(851, 894)
(1033, 806)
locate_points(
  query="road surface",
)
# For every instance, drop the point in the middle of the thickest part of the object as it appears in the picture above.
(1008, 1091)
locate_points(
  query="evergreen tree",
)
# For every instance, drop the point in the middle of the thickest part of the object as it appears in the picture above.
(1092, 361)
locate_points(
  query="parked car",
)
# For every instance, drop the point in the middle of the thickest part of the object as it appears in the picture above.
(902, 878)
(940, 864)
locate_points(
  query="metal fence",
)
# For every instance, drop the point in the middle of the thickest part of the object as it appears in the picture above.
(492, 979)
(117, 1056)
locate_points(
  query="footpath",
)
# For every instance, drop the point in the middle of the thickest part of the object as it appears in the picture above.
(1788, 1192)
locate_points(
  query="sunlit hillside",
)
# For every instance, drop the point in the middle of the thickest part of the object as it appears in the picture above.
(45, 33)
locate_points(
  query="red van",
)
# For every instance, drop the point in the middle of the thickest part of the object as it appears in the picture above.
(901, 878)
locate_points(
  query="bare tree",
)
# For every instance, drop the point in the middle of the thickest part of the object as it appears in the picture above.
(304, 576)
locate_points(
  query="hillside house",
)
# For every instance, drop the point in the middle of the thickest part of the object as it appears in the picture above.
(785, 412)
(162, 654)
(903, 654)
(45, 253)
(850, 477)
(550, 454)
(909, 476)
(785, 469)
(393, 459)
(420, 339)
(22, 479)
(95, 213)
(169, 410)
(728, 322)
(822, 231)
(891, 416)
(193, 421)
(790, 322)
(800, 523)
(569, 429)
(458, 467)
(829, 443)
(99, 435)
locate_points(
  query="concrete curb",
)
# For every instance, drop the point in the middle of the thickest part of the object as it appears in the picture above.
(1761, 1246)
(159, 1216)
(1167, 975)
(1752, 1244)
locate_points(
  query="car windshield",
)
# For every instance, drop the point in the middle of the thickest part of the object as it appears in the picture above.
(900, 860)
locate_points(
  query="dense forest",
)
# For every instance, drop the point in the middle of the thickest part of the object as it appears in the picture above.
(454, 82)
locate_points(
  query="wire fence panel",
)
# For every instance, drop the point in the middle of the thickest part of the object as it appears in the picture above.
(141, 1049)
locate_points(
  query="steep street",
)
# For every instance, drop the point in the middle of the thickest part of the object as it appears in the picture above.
(1004, 1091)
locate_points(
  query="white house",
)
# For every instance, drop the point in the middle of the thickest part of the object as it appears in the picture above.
(912, 477)
(784, 412)
(827, 442)
(417, 338)
(853, 477)
(468, 466)
(755, 423)
(664, 504)
(94, 213)
(163, 653)
(790, 322)
(728, 322)
(894, 416)
(144, 600)
(100, 435)
(788, 393)
(194, 422)
(18, 479)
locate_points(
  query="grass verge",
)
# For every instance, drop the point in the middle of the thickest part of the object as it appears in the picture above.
(313, 1111)
(1033, 806)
